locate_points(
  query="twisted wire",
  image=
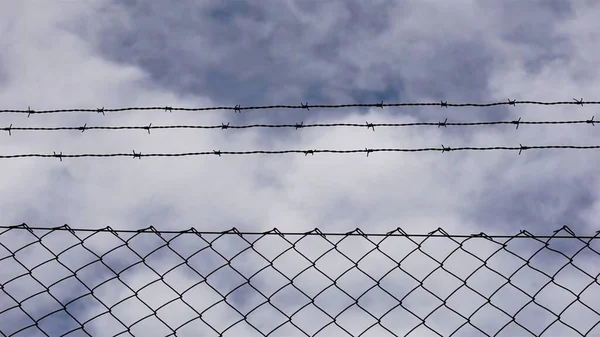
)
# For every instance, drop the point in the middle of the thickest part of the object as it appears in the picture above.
(296, 126)
(305, 106)
(139, 155)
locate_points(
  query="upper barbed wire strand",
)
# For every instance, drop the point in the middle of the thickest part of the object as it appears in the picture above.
(238, 108)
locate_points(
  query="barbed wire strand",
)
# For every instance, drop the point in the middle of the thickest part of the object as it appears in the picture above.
(443, 149)
(251, 247)
(296, 126)
(305, 106)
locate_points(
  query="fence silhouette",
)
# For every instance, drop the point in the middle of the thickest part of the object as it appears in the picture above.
(103, 282)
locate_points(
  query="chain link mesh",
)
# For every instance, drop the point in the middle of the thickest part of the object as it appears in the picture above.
(62, 282)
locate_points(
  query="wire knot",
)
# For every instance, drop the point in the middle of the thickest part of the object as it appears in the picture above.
(277, 231)
(524, 232)
(566, 229)
(522, 148)
(368, 151)
(24, 226)
(482, 235)
(100, 111)
(444, 104)
(357, 231)
(311, 152)
(304, 106)
(370, 126)
(517, 122)
(399, 230)
(512, 102)
(137, 155)
(299, 126)
(58, 155)
(237, 109)
(8, 129)
(591, 121)
(83, 128)
(318, 232)
(29, 112)
(110, 230)
(232, 231)
(65, 227)
(168, 108)
(442, 123)
(579, 102)
(224, 126)
(147, 128)
(439, 230)
(217, 152)
(444, 149)
(380, 105)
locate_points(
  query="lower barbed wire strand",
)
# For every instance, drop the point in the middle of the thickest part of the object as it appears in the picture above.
(305, 152)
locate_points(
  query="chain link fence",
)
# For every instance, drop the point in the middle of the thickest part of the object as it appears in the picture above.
(77, 282)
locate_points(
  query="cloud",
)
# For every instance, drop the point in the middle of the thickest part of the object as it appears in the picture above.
(133, 53)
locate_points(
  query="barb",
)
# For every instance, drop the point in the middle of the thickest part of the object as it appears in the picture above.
(276, 283)
(297, 126)
(442, 149)
(304, 106)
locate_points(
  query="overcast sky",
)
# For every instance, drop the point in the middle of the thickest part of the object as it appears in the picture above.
(112, 54)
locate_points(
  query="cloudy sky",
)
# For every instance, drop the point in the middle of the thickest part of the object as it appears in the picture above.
(93, 54)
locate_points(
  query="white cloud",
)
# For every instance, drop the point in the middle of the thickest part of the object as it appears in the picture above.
(99, 55)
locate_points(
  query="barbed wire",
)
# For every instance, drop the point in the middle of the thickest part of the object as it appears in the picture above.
(313, 285)
(296, 126)
(443, 149)
(305, 106)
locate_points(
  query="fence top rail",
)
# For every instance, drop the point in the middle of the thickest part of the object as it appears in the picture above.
(563, 232)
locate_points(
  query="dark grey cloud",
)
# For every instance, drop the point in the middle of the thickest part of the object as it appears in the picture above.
(275, 54)
(286, 53)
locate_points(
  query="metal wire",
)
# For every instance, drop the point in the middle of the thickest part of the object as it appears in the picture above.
(139, 155)
(354, 284)
(296, 126)
(239, 109)
(357, 232)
